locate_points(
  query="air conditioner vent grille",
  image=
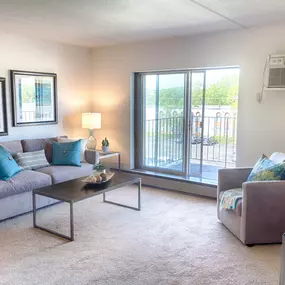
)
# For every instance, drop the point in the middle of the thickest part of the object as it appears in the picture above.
(276, 78)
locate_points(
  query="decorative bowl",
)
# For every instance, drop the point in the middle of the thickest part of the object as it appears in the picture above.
(97, 177)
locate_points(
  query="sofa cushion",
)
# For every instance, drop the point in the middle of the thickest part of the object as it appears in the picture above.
(36, 144)
(48, 152)
(13, 147)
(92, 156)
(61, 173)
(39, 144)
(24, 181)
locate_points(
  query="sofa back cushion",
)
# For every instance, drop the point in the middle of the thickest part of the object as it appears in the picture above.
(36, 144)
(13, 147)
(39, 144)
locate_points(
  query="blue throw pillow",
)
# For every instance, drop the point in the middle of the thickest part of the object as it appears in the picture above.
(67, 153)
(8, 166)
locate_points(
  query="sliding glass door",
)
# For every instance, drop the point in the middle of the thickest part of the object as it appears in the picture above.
(164, 133)
(186, 121)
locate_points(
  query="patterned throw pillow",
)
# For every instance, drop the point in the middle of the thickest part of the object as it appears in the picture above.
(32, 160)
(8, 166)
(266, 169)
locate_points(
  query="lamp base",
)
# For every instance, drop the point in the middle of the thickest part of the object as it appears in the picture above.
(92, 142)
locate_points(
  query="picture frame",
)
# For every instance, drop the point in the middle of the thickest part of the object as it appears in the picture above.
(34, 98)
(3, 108)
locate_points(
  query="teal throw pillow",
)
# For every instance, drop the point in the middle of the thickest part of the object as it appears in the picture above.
(8, 166)
(67, 153)
(266, 170)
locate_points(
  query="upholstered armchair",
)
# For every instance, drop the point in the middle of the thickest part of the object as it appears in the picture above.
(259, 217)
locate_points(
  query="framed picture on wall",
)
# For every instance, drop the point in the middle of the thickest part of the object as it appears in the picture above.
(34, 98)
(3, 108)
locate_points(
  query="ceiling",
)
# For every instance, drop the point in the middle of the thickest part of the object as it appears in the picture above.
(95, 23)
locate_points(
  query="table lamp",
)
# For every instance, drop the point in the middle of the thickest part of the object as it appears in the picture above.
(91, 121)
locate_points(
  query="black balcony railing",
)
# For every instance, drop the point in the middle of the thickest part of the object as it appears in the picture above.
(164, 140)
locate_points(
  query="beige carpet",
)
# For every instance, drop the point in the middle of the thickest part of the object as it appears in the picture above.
(175, 239)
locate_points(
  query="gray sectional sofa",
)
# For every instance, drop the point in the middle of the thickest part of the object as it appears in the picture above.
(16, 193)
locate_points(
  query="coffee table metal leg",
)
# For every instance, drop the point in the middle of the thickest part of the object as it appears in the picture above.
(71, 222)
(139, 194)
(34, 209)
(126, 206)
(119, 161)
(71, 237)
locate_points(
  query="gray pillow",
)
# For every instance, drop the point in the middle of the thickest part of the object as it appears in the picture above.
(31, 160)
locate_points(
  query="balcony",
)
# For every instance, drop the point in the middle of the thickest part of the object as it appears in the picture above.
(211, 149)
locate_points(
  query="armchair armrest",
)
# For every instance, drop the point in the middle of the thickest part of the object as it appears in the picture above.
(92, 156)
(263, 212)
(230, 178)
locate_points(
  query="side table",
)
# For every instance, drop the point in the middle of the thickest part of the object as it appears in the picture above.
(103, 155)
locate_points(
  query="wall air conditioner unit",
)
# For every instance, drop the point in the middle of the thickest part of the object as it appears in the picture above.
(275, 73)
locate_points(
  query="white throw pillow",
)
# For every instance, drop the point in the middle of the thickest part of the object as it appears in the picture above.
(31, 160)
(83, 146)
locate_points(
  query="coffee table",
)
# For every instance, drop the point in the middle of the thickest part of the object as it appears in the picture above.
(75, 190)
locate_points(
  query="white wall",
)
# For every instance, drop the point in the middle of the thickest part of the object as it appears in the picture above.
(260, 127)
(73, 68)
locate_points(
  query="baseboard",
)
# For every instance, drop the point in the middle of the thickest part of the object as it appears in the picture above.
(176, 184)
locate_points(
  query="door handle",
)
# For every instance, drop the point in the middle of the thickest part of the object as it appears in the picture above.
(190, 125)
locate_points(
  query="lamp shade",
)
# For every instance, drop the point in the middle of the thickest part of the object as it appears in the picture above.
(91, 121)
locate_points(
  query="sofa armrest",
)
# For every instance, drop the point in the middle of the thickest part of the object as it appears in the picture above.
(230, 178)
(92, 156)
(263, 212)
